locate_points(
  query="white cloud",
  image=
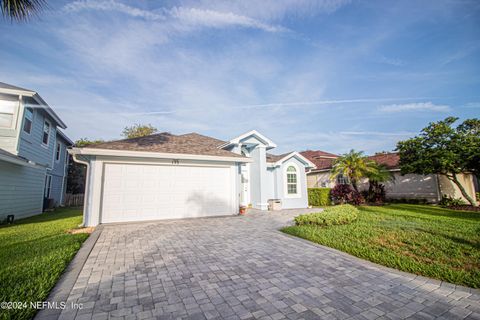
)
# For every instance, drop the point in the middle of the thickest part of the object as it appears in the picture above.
(270, 10)
(178, 17)
(473, 105)
(337, 142)
(417, 106)
(377, 133)
(392, 61)
(216, 19)
(111, 5)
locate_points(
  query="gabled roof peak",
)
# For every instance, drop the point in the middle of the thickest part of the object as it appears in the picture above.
(253, 133)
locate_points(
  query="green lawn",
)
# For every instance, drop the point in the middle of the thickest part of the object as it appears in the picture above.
(426, 240)
(33, 254)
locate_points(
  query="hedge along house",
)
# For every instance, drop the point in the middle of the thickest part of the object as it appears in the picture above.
(429, 188)
(33, 153)
(166, 176)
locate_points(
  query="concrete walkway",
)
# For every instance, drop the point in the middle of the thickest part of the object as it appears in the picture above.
(244, 268)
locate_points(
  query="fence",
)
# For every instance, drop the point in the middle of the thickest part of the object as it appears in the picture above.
(74, 200)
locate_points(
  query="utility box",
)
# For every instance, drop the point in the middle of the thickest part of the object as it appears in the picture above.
(274, 204)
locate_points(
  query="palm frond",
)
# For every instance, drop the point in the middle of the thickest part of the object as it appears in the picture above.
(21, 10)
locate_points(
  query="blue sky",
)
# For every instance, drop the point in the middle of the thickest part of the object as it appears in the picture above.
(326, 74)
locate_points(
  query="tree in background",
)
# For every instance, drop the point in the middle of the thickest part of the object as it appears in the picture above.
(83, 142)
(443, 149)
(21, 10)
(139, 130)
(353, 165)
(77, 171)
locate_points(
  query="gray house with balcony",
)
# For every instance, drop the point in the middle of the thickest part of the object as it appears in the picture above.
(33, 154)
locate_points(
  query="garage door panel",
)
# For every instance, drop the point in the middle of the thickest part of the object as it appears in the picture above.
(135, 192)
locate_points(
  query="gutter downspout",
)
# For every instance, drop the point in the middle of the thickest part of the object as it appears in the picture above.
(87, 164)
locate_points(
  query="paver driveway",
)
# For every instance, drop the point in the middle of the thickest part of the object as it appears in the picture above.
(243, 268)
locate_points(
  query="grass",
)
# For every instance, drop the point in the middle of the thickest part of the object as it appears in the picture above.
(425, 240)
(33, 254)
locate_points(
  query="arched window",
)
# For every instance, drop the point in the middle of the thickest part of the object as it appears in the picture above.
(292, 181)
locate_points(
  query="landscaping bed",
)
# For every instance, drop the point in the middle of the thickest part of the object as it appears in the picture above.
(33, 254)
(426, 240)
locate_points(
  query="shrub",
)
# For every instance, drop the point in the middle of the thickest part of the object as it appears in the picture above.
(319, 197)
(344, 193)
(448, 201)
(375, 194)
(478, 196)
(343, 214)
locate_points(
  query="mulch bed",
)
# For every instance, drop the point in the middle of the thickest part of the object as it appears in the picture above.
(465, 208)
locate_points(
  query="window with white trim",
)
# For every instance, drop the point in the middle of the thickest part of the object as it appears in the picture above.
(46, 133)
(28, 120)
(292, 181)
(57, 151)
(7, 113)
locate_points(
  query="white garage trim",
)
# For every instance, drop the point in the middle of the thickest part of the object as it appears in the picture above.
(147, 154)
(209, 198)
(166, 162)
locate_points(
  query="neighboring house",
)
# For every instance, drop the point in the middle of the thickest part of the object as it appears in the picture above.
(409, 186)
(166, 176)
(319, 177)
(33, 153)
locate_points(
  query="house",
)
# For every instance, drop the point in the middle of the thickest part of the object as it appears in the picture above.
(166, 176)
(426, 187)
(429, 188)
(33, 153)
(319, 177)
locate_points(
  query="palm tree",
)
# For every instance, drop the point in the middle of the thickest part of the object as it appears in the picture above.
(353, 165)
(21, 10)
(379, 173)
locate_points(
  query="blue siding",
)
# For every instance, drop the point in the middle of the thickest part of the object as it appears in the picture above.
(59, 172)
(31, 146)
(21, 190)
(59, 166)
(57, 190)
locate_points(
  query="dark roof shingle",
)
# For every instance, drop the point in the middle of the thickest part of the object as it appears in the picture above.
(275, 157)
(322, 160)
(190, 143)
(389, 160)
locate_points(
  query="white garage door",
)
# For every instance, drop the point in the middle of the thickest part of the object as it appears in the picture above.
(134, 192)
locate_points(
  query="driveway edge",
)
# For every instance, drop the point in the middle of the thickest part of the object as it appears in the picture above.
(64, 285)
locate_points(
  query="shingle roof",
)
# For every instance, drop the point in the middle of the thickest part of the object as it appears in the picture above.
(322, 160)
(275, 158)
(317, 154)
(389, 160)
(190, 143)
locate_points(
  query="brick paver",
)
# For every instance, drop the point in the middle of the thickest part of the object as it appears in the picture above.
(243, 268)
